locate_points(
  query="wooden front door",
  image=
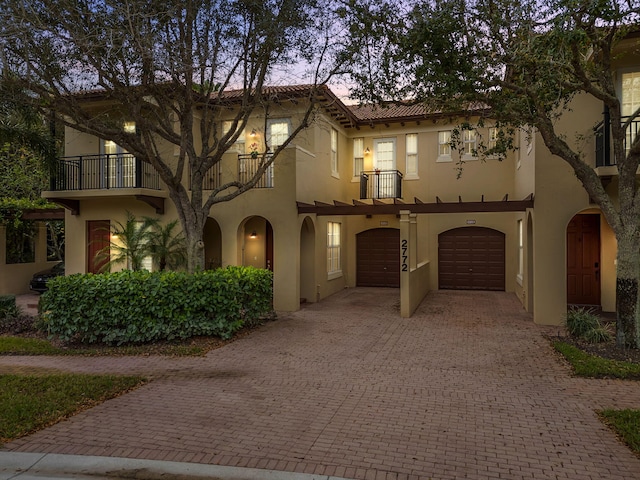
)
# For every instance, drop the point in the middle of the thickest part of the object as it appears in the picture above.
(583, 260)
(98, 232)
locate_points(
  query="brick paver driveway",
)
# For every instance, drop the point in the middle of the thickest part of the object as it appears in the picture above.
(466, 388)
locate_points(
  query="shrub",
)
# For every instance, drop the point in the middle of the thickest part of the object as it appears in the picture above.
(8, 306)
(584, 323)
(139, 307)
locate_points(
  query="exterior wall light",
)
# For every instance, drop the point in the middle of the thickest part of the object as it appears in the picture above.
(253, 234)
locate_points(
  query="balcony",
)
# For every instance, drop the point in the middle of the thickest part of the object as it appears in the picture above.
(100, 172)
(248, 166)
(381, 184)
(604, 155)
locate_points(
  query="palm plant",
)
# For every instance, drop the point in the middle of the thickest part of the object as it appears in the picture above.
(129, 244)
(167, 249)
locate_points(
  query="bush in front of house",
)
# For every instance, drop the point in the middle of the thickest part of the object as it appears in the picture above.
(141, 307)
(584, 323)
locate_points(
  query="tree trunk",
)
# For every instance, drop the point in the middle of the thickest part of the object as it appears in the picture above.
(195, 248)
(628, 272)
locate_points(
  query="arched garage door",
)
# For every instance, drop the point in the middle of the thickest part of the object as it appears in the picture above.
(378, 258)
(471, 258)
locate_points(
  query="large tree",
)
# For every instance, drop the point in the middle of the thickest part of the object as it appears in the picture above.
(170, 67)
(528, 60)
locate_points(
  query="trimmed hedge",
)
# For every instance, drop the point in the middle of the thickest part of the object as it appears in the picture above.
(141, 307)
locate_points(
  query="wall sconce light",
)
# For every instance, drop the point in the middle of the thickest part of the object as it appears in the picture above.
(253, 234)
(253, 133)
(114, 236)
(367, 151)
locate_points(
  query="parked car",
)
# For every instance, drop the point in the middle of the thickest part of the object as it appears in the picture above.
(39, 280)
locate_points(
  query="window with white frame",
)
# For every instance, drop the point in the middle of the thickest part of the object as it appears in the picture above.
(630, 102)
(334, 267)
(238, 146)
(277, 132)
(520, 251)
(468, 143)
(444, 146)
(412, 155)
(120, 164)
(493, 138)
(334, 151)
(358, 156)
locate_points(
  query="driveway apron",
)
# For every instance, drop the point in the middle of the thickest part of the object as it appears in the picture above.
(468, 387)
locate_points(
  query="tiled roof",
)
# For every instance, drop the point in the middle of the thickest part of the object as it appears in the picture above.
(387, 112)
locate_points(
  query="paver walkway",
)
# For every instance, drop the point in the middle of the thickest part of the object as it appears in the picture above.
(466, 388)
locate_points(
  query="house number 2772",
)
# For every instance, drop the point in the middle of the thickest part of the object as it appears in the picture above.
(403, 248)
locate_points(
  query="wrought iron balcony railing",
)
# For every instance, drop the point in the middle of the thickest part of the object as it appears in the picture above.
(381, 184)
(248, 165)
(99, 172)
(604, 155)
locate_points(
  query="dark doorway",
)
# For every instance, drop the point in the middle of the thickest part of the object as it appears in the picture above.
(583, 260)
(98, 237)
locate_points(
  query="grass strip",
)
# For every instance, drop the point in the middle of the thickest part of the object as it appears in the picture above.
(585, 365)
(32, 402)
(626, 424)
(37, 346)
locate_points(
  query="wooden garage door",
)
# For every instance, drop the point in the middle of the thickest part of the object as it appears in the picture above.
(471, 258)
(378, 258)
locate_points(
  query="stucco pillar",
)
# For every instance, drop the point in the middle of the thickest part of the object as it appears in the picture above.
(406, 260)
(413, 241)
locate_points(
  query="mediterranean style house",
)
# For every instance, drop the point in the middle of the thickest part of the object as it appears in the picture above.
(373, 197)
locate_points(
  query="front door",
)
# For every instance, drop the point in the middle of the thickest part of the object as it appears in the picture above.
(583, 260)
(98, 233)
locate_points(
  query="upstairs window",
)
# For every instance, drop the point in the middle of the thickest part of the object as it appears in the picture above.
(238, 145)
(277, 132)
(468, 144)
(631, 103)
(334, 151)
(444, 146)
(358, 156)
(412, 155)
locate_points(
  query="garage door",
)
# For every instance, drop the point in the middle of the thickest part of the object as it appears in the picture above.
(471, 258)
(378, 258)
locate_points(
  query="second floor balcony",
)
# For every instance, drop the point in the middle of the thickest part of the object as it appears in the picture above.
(100, 172)
(125, 171)
(604, 152)
(381, 184)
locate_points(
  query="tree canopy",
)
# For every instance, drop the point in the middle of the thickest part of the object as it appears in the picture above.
(170, 67)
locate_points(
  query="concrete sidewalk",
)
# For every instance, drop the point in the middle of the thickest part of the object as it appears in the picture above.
(466, 388)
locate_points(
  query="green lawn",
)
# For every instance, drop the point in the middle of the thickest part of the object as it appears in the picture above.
(38, 346)
(585, 365)
(31, 402)
(626, 423)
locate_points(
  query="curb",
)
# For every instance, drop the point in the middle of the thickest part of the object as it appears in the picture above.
(49, 466)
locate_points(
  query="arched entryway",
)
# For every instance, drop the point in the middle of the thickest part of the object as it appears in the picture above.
(583, 260)
(307, 261)
(256, 241)
(378, 258)
(212, 244)
(471, 258)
